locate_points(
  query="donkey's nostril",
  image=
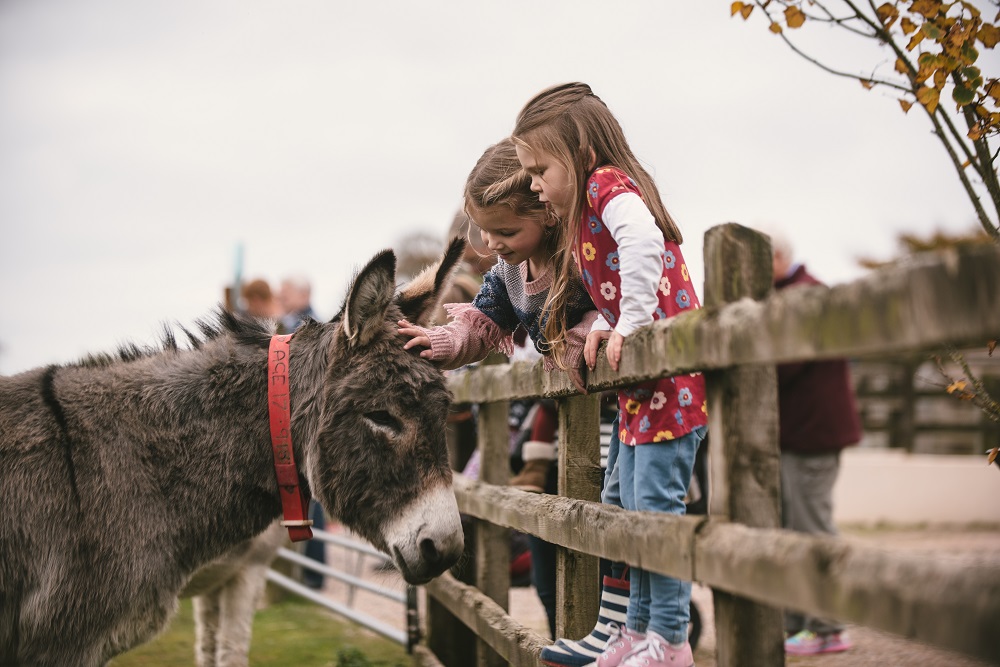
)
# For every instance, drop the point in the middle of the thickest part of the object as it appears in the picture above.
(429, 551)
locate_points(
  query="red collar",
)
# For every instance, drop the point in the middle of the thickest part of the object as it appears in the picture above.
(294, 503)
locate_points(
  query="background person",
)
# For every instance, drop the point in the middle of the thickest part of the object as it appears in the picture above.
(258, 299)
(818, 418)
(295, 298)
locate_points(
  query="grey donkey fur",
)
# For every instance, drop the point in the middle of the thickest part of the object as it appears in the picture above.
(120, 478)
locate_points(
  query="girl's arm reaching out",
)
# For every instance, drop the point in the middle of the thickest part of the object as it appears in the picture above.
(468, 338)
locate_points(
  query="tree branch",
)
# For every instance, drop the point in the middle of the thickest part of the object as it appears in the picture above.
(985, 164)
(842, 22)
(847, 75)
(984, 219)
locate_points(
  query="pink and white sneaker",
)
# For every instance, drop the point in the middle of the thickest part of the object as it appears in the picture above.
(656, 651)
(809, 643)
(620, 644)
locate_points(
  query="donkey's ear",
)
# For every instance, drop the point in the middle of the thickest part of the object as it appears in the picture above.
(369, 297)
(422, 295)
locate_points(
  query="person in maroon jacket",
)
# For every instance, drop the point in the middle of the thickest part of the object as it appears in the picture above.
(818, 418)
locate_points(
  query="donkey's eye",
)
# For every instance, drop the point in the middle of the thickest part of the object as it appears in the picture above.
(383, 419)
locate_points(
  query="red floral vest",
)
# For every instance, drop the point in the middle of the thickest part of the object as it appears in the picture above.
(662, 409)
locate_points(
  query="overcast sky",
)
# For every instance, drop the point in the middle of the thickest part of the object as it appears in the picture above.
(141, 143)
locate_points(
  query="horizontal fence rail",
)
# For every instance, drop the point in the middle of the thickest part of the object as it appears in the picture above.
(398, 636)
(927, 303)
(404, 598)
(327, 571)
(953, 603)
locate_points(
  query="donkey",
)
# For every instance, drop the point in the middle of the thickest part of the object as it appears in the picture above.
(121, 477)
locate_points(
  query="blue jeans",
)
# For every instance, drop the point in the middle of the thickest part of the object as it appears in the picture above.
(654, 477)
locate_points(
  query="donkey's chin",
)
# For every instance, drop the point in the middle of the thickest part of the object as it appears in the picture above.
(426, 539)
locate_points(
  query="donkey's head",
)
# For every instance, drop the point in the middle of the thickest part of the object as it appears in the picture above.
(380, 463)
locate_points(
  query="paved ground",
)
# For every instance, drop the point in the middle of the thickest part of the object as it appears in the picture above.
(872, 648)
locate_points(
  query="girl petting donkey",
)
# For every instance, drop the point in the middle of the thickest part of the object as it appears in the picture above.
(517, 227)
(616, 233)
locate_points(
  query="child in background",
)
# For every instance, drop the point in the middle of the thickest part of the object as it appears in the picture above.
(619, 237)
(516, 226)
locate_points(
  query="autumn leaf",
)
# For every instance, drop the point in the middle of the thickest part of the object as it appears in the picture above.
(992, 455)
(969, 54)
(794, 17)
(929, 97)
(907, 25)
(775, 28)
(906, 104)
(915, 40)
(958, 385)
(932, 31)
(867, 84)
(992, 345)
(974, 76)
(743, 9)
(989, 35)
(963, 96)
(973, 10)
(993, 89)
(926, 8)
(887, 14)
(975, 133)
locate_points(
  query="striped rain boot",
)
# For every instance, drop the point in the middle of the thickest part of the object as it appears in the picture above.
(614, 604)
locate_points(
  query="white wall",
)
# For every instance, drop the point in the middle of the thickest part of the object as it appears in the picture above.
(900, 488)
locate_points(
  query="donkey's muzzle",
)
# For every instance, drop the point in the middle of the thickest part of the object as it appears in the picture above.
(427, 539)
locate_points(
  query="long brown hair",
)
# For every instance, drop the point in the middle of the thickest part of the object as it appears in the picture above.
(574, 126)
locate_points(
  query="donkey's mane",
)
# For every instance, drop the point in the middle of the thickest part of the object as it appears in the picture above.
(244, 330)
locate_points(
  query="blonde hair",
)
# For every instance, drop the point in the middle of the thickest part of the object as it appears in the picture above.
(574, 126)
(498, 180)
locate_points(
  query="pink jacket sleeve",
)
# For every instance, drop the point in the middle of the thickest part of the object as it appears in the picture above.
(468, 338)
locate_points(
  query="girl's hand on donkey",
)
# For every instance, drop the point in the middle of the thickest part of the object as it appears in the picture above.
(417, 338)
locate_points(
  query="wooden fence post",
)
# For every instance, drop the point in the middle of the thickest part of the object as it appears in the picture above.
(744, 458)
(493, 541)
(578, 588)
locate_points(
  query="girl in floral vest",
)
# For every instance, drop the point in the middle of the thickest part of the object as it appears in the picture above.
(620, 239)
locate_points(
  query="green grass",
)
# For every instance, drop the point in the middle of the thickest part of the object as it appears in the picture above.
(288, 633)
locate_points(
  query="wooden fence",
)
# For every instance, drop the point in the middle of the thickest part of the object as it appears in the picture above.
(753, 567)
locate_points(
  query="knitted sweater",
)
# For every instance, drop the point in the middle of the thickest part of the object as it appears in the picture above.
(506, 300)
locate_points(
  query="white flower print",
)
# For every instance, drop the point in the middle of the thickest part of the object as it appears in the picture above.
(658, 400)
(608, 290)
(665, 285)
